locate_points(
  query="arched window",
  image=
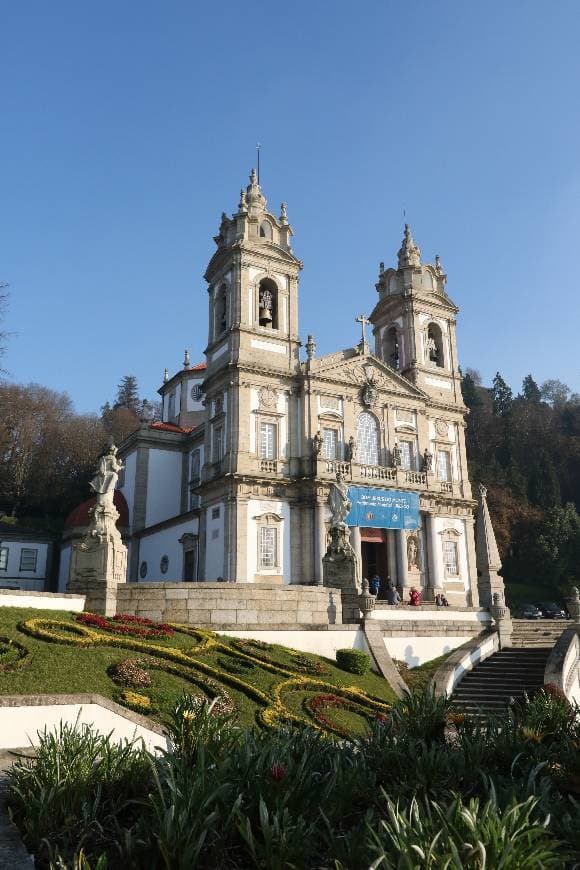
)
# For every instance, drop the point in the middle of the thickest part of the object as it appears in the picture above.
(391, 351)
(435, 345)
(265, 231)
(367, 439)
(221, 316)
(268, 304)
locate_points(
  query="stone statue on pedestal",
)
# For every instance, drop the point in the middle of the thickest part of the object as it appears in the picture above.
(339, 501)
(99, 561)
(340, 563)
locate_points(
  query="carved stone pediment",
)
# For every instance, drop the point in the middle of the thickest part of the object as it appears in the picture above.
(369, 373)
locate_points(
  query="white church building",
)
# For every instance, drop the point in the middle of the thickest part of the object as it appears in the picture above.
(233, 483)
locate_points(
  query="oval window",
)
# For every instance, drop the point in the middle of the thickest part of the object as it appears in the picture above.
(164, 564)
(143, 570)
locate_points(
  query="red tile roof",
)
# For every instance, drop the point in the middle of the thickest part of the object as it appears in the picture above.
(171, 427)
(200, 367)
(80, 515)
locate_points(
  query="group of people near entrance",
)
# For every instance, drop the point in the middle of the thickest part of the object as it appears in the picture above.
(393, 597)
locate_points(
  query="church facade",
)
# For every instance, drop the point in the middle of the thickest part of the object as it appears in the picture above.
(234, 482)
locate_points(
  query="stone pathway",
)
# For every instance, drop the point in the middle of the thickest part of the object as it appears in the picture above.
(13, 854)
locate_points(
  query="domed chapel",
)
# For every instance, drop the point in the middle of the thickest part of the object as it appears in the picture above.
(234, 482)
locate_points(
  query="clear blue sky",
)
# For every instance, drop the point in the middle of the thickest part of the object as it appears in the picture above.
(128, 127)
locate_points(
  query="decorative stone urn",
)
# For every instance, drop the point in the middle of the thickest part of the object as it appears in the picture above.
(573, 604)
(366, 600)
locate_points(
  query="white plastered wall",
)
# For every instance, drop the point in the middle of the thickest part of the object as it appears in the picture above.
(64, 567)
(19, 726)
(322, 643)
(165, 542)
(443, 524)
(415, 651)
(25, 579)
(163, 486)
(128, 488)
(256, 509)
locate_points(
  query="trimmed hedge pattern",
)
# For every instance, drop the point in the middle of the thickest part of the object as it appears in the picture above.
(211, 679)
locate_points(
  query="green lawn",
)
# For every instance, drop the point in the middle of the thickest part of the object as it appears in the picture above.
(202, 664)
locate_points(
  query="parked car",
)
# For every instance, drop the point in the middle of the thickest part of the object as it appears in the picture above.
(551, 610)
(530, 611)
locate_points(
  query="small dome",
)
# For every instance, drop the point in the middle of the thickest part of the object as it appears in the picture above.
(79, 516)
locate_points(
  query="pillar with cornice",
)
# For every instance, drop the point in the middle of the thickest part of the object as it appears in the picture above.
(434, 556)
(402, 564)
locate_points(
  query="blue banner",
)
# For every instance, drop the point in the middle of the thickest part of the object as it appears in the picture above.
(383, 508)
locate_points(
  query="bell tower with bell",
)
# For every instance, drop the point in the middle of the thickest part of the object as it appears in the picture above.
(253, 287)
(414, 323)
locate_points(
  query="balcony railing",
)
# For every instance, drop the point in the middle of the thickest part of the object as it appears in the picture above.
(269, 466)
(377, 472)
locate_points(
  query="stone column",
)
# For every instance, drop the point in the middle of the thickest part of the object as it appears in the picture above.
(356, 544)
(433, 549)
(473, 593)
(402, 565)
(319, 543)
(392, 555)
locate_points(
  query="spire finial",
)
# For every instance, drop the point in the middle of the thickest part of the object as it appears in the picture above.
(186, 360)
(409, 253)
(242, 207)
(165, 376)
(283, 214)
(310, 347)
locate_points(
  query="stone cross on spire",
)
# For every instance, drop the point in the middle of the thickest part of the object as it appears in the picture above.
(363, 320)
(409, 252)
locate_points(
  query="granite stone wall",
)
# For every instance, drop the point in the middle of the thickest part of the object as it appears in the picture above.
(239, 605)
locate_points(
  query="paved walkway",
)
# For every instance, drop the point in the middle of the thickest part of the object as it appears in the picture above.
(13, 854)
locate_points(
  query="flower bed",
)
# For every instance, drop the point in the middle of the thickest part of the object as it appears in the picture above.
(130, 672)
(136, 626)
(12, 654)
(233, 668)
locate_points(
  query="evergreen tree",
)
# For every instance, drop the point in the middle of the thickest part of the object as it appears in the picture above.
(469, 390)
(128, 394)
(530, 390)
(502, 396)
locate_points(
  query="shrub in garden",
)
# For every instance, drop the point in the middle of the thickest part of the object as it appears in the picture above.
(353, 660)
(78, 793)
(130, 672)
(137, 702)
(227, 798)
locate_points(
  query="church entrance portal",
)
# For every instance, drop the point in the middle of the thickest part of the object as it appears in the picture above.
(374, 556)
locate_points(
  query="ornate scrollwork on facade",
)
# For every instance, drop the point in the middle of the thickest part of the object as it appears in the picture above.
(442, 428)
(268, 399)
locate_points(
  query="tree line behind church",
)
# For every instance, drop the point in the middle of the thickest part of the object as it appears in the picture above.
(48, 451)
(526, 448)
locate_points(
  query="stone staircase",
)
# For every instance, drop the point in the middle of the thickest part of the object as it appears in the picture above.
(511, 672)
(534, 633)
(506, 674)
